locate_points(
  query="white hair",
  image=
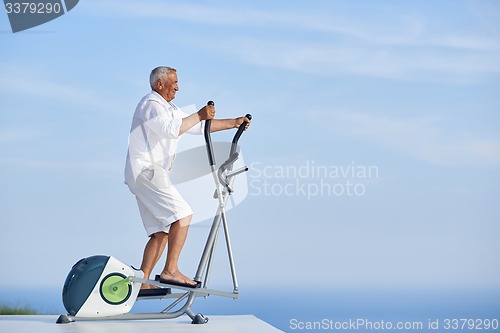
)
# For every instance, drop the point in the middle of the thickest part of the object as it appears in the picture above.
(159, 73)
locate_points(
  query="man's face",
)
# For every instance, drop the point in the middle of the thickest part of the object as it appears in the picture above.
(170, 86)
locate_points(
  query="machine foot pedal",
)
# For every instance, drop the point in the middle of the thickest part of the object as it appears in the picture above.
(156, 292)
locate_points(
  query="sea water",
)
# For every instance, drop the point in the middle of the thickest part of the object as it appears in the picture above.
(328, 310)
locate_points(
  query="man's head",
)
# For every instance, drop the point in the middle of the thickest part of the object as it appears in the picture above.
(164, 81)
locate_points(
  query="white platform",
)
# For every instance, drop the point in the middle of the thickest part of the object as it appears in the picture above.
(219, 324)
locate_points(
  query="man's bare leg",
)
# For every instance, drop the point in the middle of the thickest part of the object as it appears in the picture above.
(152, 253)
(177, 237)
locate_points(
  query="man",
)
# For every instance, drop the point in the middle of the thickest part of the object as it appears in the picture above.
(157, 126)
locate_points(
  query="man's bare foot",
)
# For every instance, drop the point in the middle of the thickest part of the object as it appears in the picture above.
(177, 277)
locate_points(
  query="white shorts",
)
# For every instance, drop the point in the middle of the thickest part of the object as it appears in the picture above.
(159, 207)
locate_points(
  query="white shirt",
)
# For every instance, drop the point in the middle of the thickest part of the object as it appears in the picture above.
(154, 136)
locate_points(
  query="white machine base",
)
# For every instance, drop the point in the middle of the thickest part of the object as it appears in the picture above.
(236, 324)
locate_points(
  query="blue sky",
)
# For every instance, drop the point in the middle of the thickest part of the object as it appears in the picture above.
(410, 88)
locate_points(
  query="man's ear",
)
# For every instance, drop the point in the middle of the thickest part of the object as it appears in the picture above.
(159, 85)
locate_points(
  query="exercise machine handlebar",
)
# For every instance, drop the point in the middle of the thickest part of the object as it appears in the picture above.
(208, 140)
(234, 144)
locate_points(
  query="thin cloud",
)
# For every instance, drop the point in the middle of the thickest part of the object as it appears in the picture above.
(39, 164)
(239, 15)
(41, 86)
(422, 138)
(9, 136)
(326, 59)
(402, 30)
(407, 48)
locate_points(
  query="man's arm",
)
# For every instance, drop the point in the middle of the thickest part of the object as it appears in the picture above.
(224, 124)
(189, 122)
(208, 112)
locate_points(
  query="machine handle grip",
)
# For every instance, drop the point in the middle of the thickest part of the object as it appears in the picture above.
(236, 137)
(241, 129)
(208, 139)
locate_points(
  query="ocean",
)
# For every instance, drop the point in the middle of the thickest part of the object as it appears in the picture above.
(328, 310)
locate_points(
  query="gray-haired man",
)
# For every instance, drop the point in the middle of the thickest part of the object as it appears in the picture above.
(157, 126)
